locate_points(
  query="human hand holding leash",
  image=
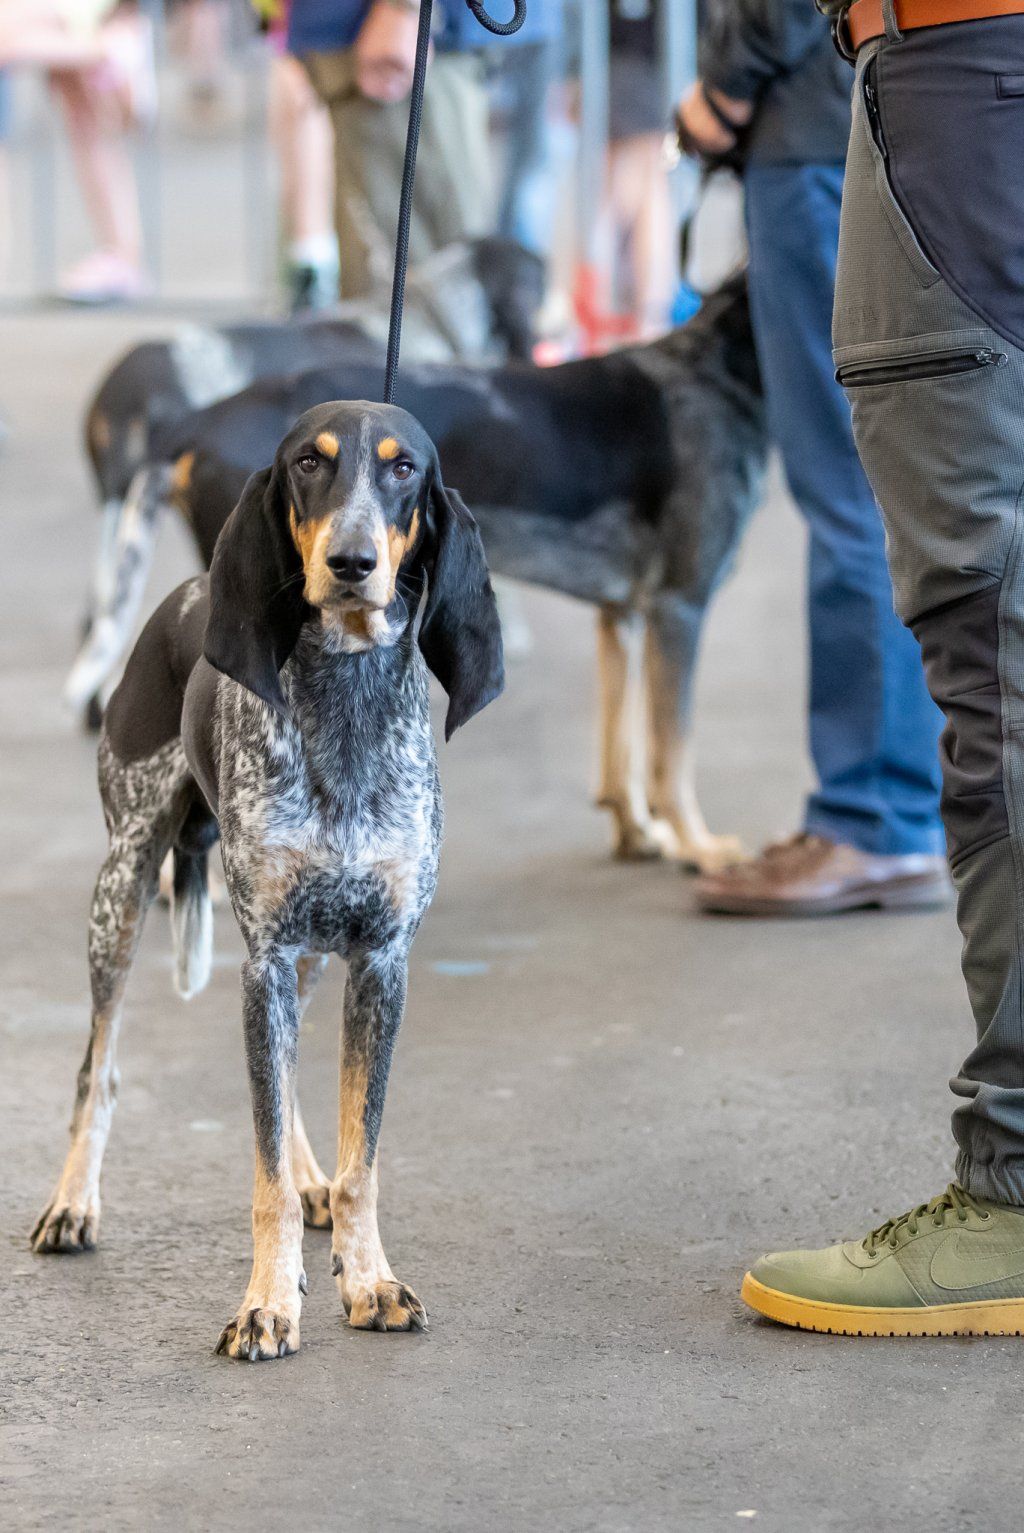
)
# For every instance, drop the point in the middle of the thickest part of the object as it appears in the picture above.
(710, 124)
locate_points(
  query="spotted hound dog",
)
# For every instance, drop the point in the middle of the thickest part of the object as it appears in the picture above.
(282, 704)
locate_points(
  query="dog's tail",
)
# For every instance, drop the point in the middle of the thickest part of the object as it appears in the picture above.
(119, 583)
(191, 923)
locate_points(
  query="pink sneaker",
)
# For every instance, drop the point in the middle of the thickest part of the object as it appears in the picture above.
(101, 278)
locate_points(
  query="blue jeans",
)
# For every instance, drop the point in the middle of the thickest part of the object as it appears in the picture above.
(873, 727)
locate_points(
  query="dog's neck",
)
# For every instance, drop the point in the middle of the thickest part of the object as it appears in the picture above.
(328, 672)
(356, 630)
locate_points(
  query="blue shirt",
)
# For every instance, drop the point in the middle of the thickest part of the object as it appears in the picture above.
(323, 25)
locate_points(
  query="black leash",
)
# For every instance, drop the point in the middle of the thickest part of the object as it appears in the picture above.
(412, 144)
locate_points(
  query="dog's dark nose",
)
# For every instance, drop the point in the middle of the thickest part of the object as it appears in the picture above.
(354, 564)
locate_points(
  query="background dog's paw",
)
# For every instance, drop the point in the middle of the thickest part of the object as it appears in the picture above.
(386, 1307)
(316, 1206)
(642, 843)
(258, 1335)
(62, 1230)
(714, 854)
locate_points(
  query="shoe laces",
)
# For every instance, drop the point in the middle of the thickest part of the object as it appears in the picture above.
(954, 1201)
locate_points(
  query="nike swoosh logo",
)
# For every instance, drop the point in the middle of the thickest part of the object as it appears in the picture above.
(952, 1262)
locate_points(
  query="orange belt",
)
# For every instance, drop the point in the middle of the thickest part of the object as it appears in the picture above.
(863, 21)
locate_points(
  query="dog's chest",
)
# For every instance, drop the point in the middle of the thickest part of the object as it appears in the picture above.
(333, 838)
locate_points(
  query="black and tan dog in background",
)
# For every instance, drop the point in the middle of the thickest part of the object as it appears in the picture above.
(282, 704)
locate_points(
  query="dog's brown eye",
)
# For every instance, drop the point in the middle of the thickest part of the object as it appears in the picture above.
(403, 468)
(308, 464)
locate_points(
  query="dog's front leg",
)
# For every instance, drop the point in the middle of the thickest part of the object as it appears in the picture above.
(622, 789)
(670, 659)
(267, 1323)
(374, 1300)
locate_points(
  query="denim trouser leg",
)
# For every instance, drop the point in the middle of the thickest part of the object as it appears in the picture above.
(873, 728)
(932, 212)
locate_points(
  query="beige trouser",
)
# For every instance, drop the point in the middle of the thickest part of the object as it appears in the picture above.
(454, 180)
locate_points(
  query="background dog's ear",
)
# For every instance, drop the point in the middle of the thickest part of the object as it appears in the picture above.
(460, 635)
(256, 581)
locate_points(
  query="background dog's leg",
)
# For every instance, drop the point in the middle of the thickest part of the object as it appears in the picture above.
(313, 1184)
(119, 596)
(670, 656)
(374, 1001)
(267, 1323)
(621, 791)
(124, 890)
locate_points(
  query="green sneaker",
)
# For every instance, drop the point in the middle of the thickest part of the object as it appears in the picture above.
(951, 1267)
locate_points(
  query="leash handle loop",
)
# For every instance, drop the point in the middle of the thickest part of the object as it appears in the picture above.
(412, 144)
(499, 28)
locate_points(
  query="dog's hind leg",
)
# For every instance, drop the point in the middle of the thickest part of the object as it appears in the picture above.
(144, 803)
(267, 1322)
(670, 657)
(374, 1299)
(313, 1183)
(622, 788)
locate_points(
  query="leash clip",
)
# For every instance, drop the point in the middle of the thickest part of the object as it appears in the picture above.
(840, 29)
(836, 13)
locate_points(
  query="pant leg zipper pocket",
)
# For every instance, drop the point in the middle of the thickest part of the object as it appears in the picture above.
(929, 364)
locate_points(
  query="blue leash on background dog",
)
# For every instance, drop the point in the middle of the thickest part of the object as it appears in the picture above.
(412, 144)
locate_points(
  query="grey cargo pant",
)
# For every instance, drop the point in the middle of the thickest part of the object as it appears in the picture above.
(937, 396)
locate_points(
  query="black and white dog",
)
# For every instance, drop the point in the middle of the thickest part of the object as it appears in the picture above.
(282, 703)
(625, 480)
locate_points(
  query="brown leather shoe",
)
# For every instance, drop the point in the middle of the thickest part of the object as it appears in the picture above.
(812, 876)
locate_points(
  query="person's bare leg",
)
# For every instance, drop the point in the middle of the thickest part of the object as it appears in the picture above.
(103, 164)
(652, 245)
(303, 139)
(640, 211)
(300, 128)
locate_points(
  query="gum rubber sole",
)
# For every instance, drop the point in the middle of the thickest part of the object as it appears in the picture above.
(984, 1317)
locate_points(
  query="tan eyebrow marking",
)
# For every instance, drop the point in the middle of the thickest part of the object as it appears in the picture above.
(388, 449)
(328, 444)
(399, 546)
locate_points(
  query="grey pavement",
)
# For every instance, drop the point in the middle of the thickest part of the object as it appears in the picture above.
(603, 1107)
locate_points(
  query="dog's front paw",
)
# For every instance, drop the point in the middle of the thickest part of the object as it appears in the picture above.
(258, 1335)
(384, 1306)
(316, 1206)
(66, 1227)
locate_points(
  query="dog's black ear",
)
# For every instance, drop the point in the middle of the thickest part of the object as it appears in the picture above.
(256, 603)
(460, 635)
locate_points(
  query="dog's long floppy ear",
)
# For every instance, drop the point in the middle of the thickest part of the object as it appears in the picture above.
(256, 603)
(460, 635)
